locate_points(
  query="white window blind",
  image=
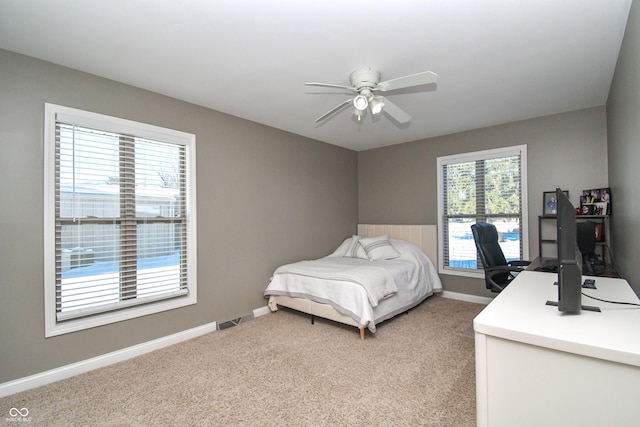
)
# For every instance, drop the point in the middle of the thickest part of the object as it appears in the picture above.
(123, 220)
(487, 186)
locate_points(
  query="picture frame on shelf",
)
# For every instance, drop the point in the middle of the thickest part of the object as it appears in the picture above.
(596, 200)
(549, 202)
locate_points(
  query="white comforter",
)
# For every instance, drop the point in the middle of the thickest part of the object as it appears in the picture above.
(413, 275)
(376, 281)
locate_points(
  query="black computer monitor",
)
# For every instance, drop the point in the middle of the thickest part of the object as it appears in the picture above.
(569, 258)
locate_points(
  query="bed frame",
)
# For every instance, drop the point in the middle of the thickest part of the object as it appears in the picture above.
(423, 236)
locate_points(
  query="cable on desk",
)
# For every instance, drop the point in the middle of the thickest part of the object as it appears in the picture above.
(611, 302)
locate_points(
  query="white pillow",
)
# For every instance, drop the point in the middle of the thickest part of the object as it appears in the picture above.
(342, 249)
(379, 247)
(355, 249)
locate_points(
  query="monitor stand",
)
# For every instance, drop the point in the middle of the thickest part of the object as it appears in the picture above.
(582, 307)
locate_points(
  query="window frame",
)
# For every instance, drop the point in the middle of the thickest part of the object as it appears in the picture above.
(53, 326)
(519, 150)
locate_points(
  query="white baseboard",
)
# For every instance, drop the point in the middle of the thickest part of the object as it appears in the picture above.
(466, 297)
(83, 366)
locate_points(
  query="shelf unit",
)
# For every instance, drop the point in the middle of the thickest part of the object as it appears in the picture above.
(547, 235)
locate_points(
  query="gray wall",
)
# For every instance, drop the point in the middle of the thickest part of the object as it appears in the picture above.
(397, 184)
(265, 197)
(623, 123)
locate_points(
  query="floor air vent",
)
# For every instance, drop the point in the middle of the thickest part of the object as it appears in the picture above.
(234, 322)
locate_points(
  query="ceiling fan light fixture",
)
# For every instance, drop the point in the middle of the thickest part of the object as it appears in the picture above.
(377, 104)
(366, 82)
(360, 103)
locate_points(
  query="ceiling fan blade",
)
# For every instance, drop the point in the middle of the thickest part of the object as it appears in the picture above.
(395, 112)
(334, 110)
(424, 78)
(332, 85)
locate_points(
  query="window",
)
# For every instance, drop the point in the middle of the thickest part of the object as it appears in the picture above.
(486, 186)
(119, 219)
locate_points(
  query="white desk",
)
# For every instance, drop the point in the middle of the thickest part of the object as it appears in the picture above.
(536, 366)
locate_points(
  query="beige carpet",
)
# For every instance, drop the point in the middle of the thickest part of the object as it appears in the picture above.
(280, 370)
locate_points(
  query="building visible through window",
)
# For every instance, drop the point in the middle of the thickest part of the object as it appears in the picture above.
(120, 217)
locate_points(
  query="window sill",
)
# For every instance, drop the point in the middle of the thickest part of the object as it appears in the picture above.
(463, 273)
(54, 328)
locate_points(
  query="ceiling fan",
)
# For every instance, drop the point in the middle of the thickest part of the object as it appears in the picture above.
(366, 83)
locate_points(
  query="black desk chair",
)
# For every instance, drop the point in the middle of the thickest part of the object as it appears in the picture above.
(592, 265)
(498, 272)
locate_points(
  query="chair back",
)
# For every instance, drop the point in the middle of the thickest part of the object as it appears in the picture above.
(489, 250)
(486, 237)
(586, 237)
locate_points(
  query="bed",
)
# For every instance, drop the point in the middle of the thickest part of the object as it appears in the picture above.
(342, 286)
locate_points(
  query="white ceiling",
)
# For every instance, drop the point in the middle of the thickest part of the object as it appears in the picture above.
(498, 60)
